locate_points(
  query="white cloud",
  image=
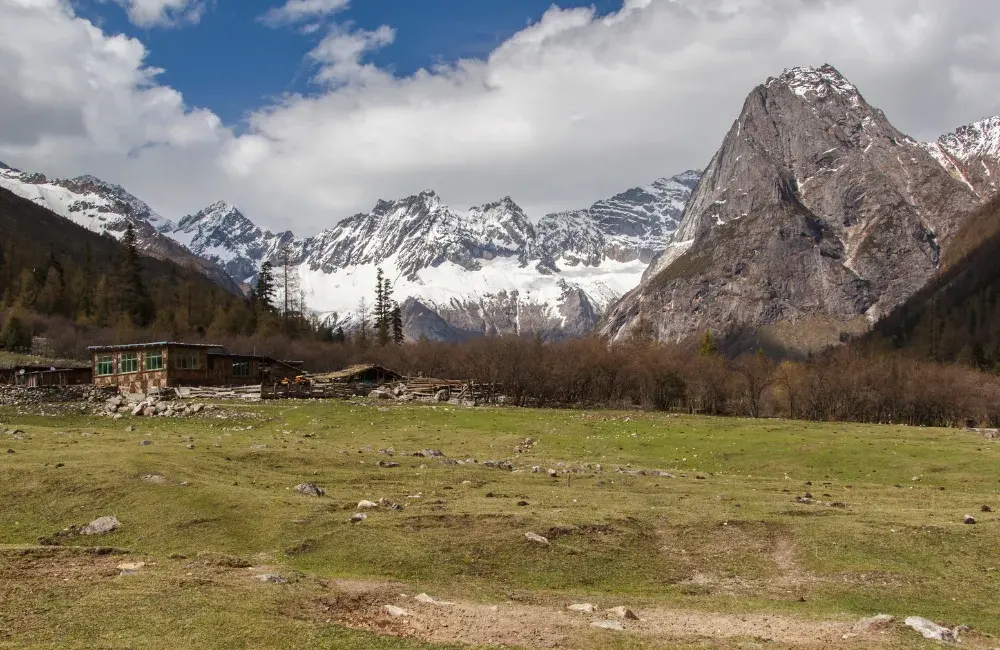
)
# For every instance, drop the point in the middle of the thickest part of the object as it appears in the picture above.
(571, 109)
(340, 54)
(163, 13)
(294, 11)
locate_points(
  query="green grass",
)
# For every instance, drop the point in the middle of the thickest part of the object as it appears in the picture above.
(731, 541)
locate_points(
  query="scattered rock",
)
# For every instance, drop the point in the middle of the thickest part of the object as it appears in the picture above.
(310, 489)
(523, 503)
(145, 443)
(270, 577)
(101, 526)
(366, 505)
(986, 508)
(538, 539)
(623, 612)
(609, 625)
(358, 517)
(442, 395)
(427, 600)
(392, 610)
(930, 629)
(553, 473)
(190, 446)
(969, 519)
(155, 479)
(586, 608)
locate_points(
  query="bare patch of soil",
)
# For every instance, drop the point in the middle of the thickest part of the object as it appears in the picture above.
(361, 605)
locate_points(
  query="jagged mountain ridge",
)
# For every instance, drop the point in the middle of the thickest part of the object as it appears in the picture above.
(485, 270)
(815, 208)
(105, 208)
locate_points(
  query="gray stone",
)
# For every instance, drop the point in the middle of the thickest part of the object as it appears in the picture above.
(930, 630)
(623, 612)
(310, 489)
(155, 479)
(536, 538)
(358, 517)
(969, 519)
(366, 505)
(397, 612)
(101, 526)
(586, 608)
(442, 395)
(609, 625)
(270, 577)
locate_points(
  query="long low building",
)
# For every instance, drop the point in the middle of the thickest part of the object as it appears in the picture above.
(139, 367)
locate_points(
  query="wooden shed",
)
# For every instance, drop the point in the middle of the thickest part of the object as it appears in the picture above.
(18, 371)
(139, 367)
(54, 377)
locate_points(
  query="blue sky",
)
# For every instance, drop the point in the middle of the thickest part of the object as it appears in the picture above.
(231, 63)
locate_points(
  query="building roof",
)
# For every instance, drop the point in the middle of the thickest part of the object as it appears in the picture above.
(158, 344)
(351, 371)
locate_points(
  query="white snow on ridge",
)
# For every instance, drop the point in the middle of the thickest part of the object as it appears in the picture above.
(86, 201)
(449, 284)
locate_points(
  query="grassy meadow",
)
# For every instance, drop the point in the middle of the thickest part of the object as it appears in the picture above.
(711, 528)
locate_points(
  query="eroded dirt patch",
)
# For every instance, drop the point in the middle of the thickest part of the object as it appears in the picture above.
(363, 606)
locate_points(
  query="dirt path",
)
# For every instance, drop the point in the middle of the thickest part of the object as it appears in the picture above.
(363, 605)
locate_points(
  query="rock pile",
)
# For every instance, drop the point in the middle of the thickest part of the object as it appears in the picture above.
(151, 405)
(23, 396)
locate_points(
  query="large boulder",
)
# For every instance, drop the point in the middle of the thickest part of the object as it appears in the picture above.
(101, 526)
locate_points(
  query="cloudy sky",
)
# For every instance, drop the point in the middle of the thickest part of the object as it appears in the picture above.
(307, 111)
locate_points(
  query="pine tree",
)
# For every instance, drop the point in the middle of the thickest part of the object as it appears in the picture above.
(263, 293)
(397, 324)
(381, 310)
(134, 301)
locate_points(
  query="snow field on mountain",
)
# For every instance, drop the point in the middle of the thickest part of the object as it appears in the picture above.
(450, 284)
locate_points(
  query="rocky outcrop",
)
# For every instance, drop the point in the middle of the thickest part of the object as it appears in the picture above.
(814, 207)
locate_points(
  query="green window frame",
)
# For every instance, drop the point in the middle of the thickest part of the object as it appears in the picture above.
(186, 360)
(105, 365)
(128, 362)
(154, 360)
(241, 369)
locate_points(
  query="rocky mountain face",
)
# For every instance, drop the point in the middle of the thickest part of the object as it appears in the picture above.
(108, 209)
(972, 155)
(814, 209)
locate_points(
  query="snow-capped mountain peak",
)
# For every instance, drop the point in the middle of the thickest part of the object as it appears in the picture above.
(810, 82)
